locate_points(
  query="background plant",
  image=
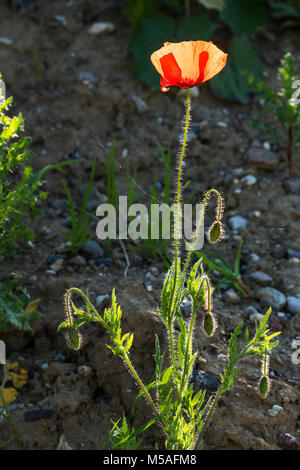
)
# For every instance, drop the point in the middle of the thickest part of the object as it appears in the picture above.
(282, 106)
(19, 185)
(80, 219)
(230, 275)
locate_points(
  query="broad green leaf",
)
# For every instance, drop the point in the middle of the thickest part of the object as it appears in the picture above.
(194, 28)
(244, 16)
(150, 36)
(232, 83)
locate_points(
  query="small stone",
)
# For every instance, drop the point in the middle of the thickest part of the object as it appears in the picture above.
(293, 305)
(6, 41)
(236, 222)
(100, 299)
(254, 257)
(271, 297)
(292, 185)
(140, 104)
(85, 371)
(63, 445)
(203, 381)
(101, 28)
(44, 366)
(92, 249)
(87, 78)
(261, 278)
(57, 265)
(35, 414)
(78, 260)
(59, 357)
(261, 157)
(281, 315)
(149, 288)
(267, 146)
(50, 271)
(293, 253)
(277, 407)
(256, 316)
(61, 19)
(231, 296)
(272, 412)
(249, 180)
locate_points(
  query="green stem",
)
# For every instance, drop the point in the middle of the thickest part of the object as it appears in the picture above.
(220, 208)
(144, 389)
(187, 352)
(211, 411)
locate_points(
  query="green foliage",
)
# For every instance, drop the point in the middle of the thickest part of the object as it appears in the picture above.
(80, 219)
(111, 186)
(244, 17)
(13, 303)
(232, 83)
(231, 276)
(19, 184)
(151, 33)
(283, 10)
(194, 27)
(124, 437)
(281, 105)
(6, 416)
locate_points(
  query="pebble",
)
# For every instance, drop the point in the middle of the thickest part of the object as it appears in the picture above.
(140, 104)
(281, 315)
(50, 271)
(261, 157)
(203, 381)
(272, 412)
(149, 288)
(92, 249)
(61, 19)
(35, 414)
(277, 407)
(231, 296)
(249, 180)
(85, 371)
(236, 222)
(101, 28)
(293, 253)
(254, 257)
(256, 316)
(59, 357)
(292, 185)
(78, 260)
(271, 297)
(261, 278)
(6, 41)
(100, 299)
(63, 445)
(87, 78)
(293, 305)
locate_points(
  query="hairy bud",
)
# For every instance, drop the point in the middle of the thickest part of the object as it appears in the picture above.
(209, 324)
(74, 338)
(215, 232)
(264, 386)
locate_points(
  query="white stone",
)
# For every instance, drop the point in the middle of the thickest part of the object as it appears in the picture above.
(6, 41)
(256, 316)
(101, 28)
(272, 412)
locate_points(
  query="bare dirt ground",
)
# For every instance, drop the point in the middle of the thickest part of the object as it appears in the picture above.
(47, 69)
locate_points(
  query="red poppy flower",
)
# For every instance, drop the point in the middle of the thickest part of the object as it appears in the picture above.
(187, 64)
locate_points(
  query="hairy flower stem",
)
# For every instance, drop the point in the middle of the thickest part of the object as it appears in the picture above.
(211, 411)
(177, 217)
(145, 391)
(188, 351)
(219, 215)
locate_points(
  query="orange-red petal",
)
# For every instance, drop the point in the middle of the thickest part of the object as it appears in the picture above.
(188, 63)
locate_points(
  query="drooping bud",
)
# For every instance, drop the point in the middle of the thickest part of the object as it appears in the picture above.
(215, 232)
(209, 324)
(74, 338)
(264, 386)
